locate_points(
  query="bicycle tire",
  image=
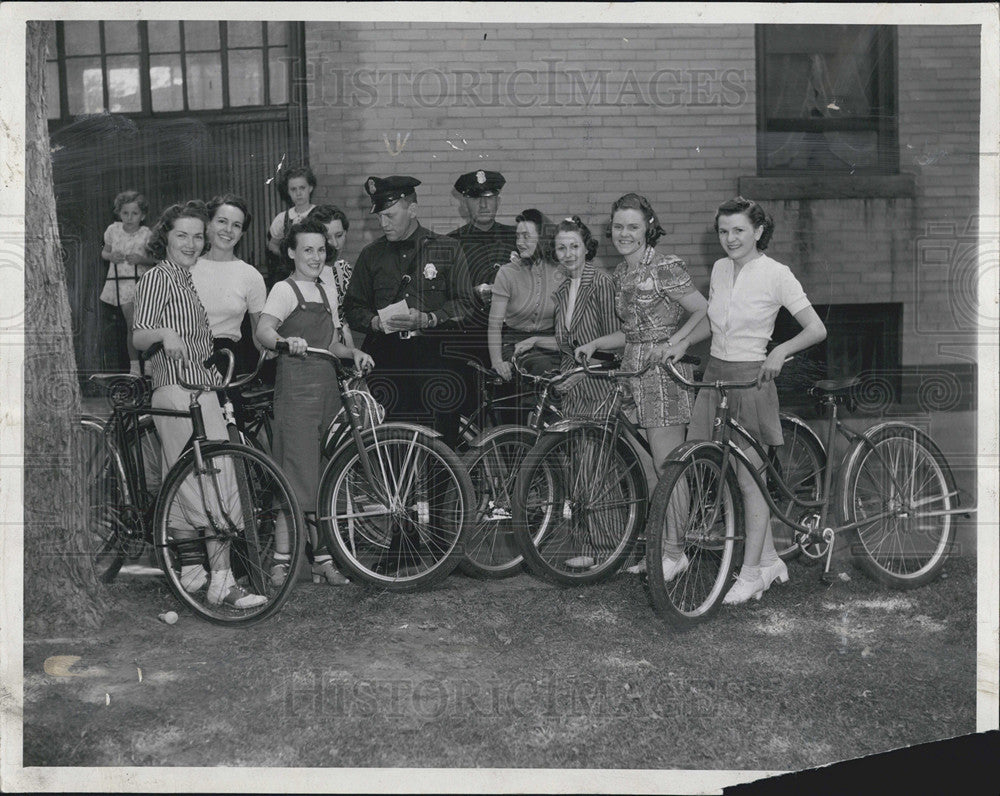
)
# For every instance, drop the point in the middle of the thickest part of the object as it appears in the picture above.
(493, 462)
(247, 533)
(409, 533)
(114, 525)
(590, 514)
(713, 540)
(800, 460)
(905, 551)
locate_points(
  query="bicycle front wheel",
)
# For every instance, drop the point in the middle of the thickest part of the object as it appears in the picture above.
(799, 462)
(232, 513)
(402, 530)
(904, 484)
(493, 462)
(579, 502)
(695, 510)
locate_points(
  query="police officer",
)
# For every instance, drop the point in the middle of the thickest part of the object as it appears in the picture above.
(487, 244)
(410, 342)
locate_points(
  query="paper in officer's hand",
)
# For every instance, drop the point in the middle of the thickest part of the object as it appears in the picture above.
(386, 314)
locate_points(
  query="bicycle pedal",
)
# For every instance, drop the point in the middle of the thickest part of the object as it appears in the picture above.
(828, 577)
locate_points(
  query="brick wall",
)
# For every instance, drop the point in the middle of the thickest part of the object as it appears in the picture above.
(594, 112)
(576, 115)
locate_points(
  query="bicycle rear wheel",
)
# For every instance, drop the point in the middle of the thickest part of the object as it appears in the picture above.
(905, 479)
(579, 502)
(405, 531)
(229, 514)
(115, 526)
(800, 462)
(707, 517)
(493, 461)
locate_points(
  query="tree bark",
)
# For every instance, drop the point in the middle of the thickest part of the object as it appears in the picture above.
(60, 590)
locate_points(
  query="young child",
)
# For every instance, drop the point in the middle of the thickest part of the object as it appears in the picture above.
(125, 248)
(295, 187)
(302, 311)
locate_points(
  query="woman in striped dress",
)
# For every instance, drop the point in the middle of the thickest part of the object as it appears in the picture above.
(585, 310)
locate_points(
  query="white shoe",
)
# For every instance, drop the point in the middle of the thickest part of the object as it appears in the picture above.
(773, 572)
(193, 577)
(223, 590)
(672, 567)
(637, 569)
(580, 562)
(745, 589)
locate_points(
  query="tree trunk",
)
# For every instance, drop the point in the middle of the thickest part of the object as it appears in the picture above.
(60, 590)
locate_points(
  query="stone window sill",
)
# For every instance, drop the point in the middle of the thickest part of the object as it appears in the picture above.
(828, 186)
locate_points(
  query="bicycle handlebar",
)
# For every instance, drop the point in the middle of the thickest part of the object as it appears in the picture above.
(282, 348)
(208, 363)
(625, 374)
(718, 385)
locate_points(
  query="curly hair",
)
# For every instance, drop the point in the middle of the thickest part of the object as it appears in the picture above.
(291, 174)
(575, 224)
(193, 208)
(233, 200)
(324, 214)
(751, 210)
(633, 201)
(127, 197)
(308, 227)
(543, 250)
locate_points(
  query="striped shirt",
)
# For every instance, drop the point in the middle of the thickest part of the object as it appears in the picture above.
(165, 298)
(593, 316)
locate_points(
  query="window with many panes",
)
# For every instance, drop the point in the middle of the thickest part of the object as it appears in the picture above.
(162, 66)
(826, 99)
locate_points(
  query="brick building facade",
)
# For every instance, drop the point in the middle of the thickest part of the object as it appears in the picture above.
(576, 115)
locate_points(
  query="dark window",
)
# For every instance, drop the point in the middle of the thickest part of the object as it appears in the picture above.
(826, 99)
(164, 65)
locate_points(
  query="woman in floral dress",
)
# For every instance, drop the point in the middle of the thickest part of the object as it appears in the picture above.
(653, 293)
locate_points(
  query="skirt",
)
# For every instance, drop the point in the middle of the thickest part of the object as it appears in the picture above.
(755, 410)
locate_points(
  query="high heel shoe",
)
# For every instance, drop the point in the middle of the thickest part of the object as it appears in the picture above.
(744, 589)
(326, 572)
(773, 572)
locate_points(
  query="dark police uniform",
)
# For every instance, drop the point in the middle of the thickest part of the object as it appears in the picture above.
(416, 373)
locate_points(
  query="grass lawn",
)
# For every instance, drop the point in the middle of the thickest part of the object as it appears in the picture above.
(513, 674)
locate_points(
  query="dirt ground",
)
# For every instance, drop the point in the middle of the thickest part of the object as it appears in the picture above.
(511, 673)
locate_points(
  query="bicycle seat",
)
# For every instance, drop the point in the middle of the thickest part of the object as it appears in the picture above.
(260, 393)
(831, 386)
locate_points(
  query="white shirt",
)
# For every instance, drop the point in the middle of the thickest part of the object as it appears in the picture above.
(294, 217)
(742, 314)
(574, 289)
(281, 300)
(228, 291)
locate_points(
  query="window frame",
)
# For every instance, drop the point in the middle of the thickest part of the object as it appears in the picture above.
(886, 112)
(294, 37)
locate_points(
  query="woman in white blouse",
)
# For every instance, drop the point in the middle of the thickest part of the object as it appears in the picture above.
(747, 289)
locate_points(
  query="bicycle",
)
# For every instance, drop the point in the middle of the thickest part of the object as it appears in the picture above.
(493, 410)
(221, 498)
(580, 498)
(393, 501)
(895, 498)
(493, 460)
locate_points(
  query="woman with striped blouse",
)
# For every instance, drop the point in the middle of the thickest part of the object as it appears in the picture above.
(169, 315)
(585, 310)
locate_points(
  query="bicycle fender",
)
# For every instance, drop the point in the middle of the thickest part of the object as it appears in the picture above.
(348, 441)
(686, 450)
(801, 424)
(491, 434)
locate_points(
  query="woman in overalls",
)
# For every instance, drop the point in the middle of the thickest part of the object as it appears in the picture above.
(302, 311)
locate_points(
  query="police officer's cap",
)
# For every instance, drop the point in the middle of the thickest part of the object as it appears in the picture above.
(386, 191)
(480, 183)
